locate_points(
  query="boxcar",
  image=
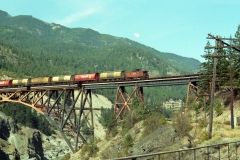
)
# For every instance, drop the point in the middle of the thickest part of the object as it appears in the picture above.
(112, 75)
(21, 82)
(62, 79)
(5, 83)
(136, 74)
(86, 77)
(41, 80)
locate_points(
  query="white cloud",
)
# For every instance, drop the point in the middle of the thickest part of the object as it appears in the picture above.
(77, 16)
(137, 35)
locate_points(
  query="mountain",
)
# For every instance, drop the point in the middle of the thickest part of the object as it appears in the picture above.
(31, 34)
(30, 47)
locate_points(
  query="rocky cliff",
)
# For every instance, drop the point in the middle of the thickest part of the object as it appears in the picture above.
(7, 150)
(35, 148)
(25, 143)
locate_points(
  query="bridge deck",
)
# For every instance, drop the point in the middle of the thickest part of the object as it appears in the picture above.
(151, 82)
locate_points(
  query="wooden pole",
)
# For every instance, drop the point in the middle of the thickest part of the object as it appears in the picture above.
(231, 90)
(212, 93)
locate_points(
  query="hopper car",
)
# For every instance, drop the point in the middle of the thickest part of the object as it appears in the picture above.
(75, 79)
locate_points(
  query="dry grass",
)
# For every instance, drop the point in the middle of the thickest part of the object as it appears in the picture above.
(226, 131)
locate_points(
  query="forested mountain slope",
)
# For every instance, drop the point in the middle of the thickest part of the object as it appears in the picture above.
(31, 48)
(29, 33)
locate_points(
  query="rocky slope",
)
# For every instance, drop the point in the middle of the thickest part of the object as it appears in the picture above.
(26, 143)
(166, 138)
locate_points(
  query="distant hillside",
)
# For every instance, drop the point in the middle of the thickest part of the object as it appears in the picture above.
(29, 33)
(182, 63)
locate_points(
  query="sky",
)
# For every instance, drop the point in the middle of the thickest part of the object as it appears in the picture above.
(174, 26)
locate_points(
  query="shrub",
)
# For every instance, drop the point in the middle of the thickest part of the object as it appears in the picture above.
(66, 157)
(182, 124)
(218, 108)
(128, 141)
(201, 123)
(152, 123)
(130, 119)
(203, 137)
(90, 149)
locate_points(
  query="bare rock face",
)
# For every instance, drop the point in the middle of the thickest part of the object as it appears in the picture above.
(12, 126)
(35, 149)
(7, 151)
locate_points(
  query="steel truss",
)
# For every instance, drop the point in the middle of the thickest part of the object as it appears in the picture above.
(192, 87)
(69, 110)
(123, 99)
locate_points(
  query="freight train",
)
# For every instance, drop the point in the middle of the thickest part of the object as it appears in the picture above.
(76, 79)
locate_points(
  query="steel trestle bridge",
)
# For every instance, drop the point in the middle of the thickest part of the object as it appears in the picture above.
(69, 106)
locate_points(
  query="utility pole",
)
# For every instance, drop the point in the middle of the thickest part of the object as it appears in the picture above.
(204, 107)
(212, 93)
(231, 92)
(215, 56)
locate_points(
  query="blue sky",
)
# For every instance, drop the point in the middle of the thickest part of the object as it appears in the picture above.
(174, 26)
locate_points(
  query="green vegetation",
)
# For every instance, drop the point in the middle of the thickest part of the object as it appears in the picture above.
(89, 150)
(127, 142)
(85, 129)
(152, 123)
(26, 116)
(182, 123)
(109, 121)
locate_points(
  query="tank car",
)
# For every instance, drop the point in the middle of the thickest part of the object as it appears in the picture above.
(63, 79)
(41, 80)
(21, 82)
(112, 75)
(86, 77)
(5, 83)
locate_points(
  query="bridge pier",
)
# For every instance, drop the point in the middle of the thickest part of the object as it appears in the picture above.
(74, 112)
(192, 87)
(123, 99)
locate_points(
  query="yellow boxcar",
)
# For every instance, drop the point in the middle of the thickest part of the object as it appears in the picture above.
(21, 82)
(61, 79)
(112, 75)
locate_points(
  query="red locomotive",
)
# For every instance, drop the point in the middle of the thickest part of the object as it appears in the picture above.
(138, 74)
